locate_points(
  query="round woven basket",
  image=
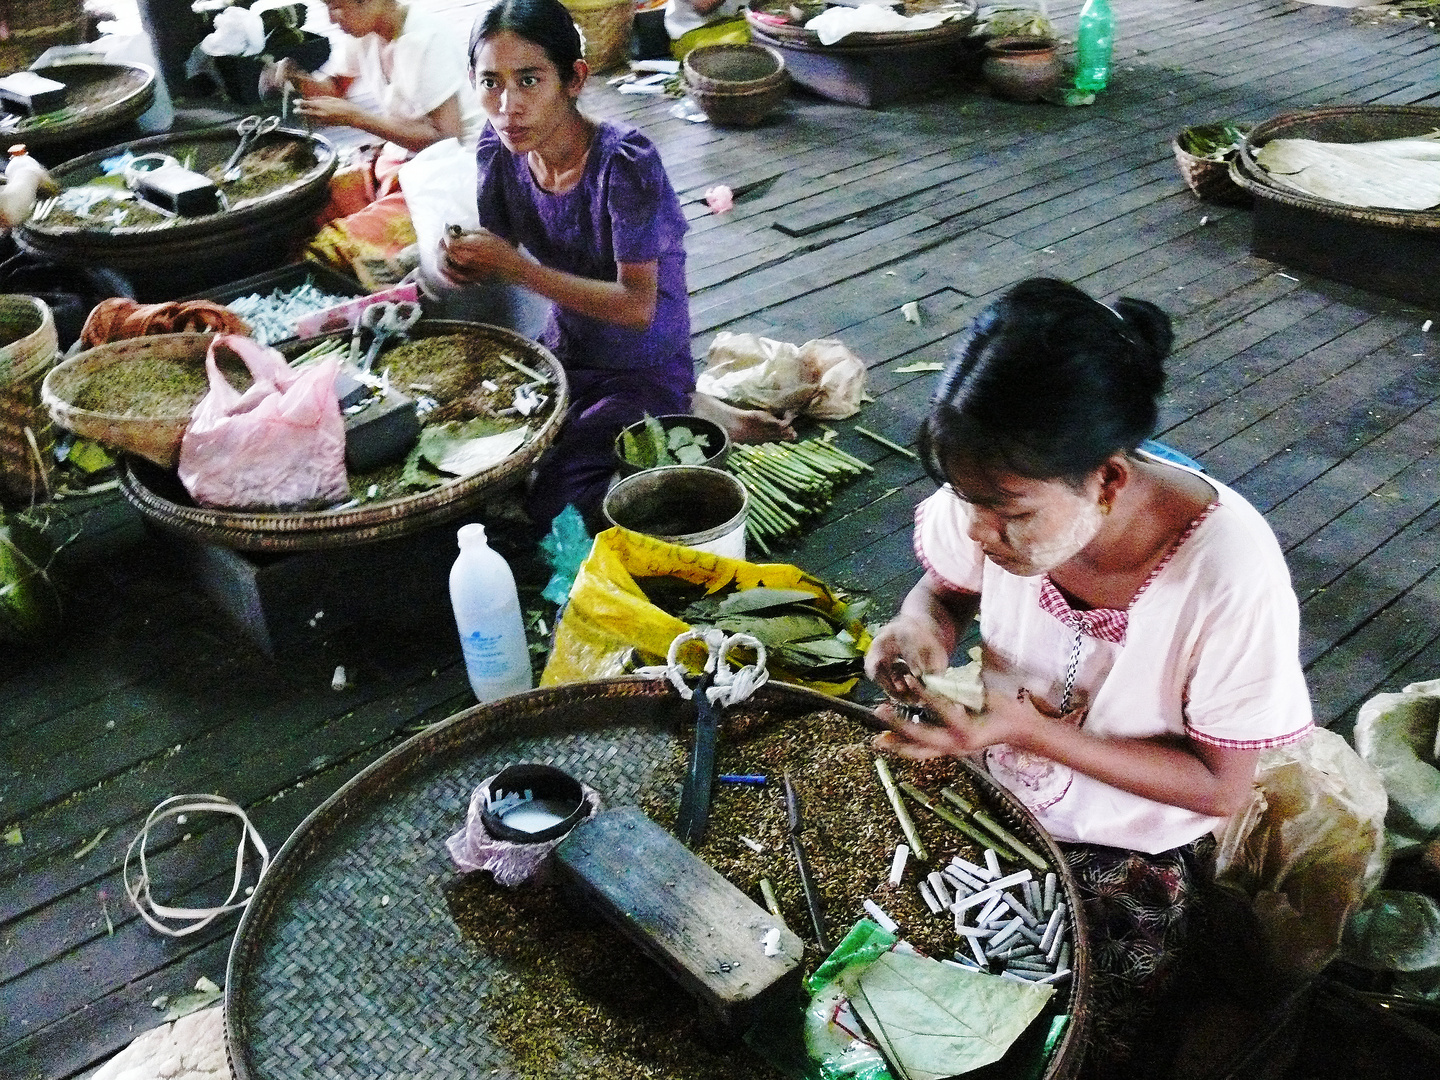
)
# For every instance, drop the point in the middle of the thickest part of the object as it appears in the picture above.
(159, 496)
(348, 962)
(113, 94)
(736, 85)
(279, 211)
(1207, 178)
(605, 27)
(28, 344)
(956, 31)
(1340, 124)
(155, 438)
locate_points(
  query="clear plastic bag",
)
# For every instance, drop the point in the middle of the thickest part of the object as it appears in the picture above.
(279, 445)
(1308, 849)
(1399, 734)
(822, 378)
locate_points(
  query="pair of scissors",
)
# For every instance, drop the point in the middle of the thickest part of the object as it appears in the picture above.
(385, 321)
(719, 685)
(249, 129)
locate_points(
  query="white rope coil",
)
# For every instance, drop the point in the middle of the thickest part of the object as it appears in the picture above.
(139, 890)
(730, 685)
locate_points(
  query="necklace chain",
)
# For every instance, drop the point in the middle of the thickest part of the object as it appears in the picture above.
(1073, 667)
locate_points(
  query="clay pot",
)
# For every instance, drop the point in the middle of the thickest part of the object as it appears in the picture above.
(1022, 68)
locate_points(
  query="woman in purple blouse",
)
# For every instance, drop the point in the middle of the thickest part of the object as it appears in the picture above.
(592, 205)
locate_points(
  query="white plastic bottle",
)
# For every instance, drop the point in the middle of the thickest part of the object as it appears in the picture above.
(487, 614)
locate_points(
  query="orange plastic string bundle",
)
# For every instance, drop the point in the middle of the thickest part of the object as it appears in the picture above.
(120, 317)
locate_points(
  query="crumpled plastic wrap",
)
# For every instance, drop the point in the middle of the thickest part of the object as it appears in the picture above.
(238, 32)
(836, 23)
(822, 378)
(1399, 734)
(1308, 849)
(473, 848)
(279, 445)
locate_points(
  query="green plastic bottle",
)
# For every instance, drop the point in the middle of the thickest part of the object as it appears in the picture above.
(1094, 41)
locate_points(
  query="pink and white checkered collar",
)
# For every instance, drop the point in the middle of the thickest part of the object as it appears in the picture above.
(1110, 624)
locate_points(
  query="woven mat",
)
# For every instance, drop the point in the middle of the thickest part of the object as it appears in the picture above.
(362, 972)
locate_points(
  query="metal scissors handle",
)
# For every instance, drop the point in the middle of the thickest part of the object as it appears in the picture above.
(386, 320)
(249, 129)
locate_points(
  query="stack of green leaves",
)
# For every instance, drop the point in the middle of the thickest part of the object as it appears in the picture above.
(1214, 142)
(802, 637)
(789, 484)
(650, 445)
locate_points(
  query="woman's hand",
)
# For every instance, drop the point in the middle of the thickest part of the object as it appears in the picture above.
(951, 730)
(478, 255)
(331, 111)
(908, 645)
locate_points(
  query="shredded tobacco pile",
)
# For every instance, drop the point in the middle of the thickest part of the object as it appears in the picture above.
(578, 1000)
(152, 386)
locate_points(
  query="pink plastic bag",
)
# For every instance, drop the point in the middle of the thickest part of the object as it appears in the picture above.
(279, 445)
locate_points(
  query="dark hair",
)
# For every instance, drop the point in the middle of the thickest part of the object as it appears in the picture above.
(546, 23)
(1048, 384)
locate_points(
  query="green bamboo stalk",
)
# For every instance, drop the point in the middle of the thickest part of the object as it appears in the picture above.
(831, 448)
(772, 903)
(946, 816)
(907, 824)
(887, 443)
(985, 821)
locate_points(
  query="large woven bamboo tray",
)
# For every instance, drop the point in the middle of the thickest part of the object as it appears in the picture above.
(1392, 252)
(158, 494)
(1338, 124)
(348, 963)
(102, 96)
(258, 208)
(952, 33)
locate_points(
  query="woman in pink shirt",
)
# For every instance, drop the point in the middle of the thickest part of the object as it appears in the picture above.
(1140, 638)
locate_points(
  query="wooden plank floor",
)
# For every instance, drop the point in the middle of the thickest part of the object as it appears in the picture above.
(1318, 401)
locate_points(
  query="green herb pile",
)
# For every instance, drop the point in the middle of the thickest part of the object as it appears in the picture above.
(802, 637)
(789, 484)
(1213, 142)
(652, 446)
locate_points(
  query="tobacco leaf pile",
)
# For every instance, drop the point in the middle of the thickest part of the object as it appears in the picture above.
(577, 1000)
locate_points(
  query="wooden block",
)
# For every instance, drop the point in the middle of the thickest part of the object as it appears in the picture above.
(682, 913)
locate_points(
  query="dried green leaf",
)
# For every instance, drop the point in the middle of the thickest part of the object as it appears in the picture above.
(934, 1021)
(761, 599)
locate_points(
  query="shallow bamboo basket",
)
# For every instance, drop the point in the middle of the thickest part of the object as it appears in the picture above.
(317, 928)
(1207, 178)
(605, 27)
(154, 438)
(27, 331)
(158, 494)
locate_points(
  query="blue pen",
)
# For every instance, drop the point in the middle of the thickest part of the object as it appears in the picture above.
(741, 778)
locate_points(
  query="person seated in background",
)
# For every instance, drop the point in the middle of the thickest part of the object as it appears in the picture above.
(592, 205)
(398, 74)
(691, 23)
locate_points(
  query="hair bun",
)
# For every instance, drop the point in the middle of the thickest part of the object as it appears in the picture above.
(1148, 323)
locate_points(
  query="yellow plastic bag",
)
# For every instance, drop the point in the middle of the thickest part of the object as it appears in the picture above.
(608, 614)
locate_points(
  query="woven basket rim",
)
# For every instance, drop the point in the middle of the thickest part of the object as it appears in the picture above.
(312, 530)
(205, 230)
(33, 352)
(792, 36)
(1247, 173)
(473, 729)
(112, 114)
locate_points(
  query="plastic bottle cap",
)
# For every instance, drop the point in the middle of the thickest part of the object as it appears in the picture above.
(473, 533)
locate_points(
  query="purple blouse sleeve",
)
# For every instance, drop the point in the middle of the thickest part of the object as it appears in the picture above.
(637, 189)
